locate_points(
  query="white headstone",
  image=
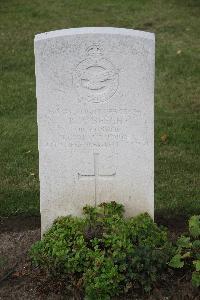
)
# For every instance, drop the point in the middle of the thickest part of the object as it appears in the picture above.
(95, 93)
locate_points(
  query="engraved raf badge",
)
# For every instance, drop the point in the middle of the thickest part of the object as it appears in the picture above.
(95, 78)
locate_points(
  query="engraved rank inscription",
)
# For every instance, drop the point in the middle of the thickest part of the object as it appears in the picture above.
(95, 78)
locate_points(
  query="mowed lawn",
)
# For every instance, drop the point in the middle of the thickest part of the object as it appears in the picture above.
(176, 24)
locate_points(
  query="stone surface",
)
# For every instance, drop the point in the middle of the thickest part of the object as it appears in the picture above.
(95, 94)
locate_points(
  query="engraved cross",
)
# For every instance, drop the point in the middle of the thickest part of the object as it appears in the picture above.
(96, 175)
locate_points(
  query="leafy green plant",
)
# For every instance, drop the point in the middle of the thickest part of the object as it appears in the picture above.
(105, 252)
(188, 251)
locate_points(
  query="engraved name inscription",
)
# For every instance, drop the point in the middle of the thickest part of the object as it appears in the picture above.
(92, 129)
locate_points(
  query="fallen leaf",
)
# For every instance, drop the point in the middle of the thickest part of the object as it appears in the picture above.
(164, 138)
(16, 274)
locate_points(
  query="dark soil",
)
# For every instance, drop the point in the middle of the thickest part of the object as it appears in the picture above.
(18, 279)
(19, 223)
(177, 225)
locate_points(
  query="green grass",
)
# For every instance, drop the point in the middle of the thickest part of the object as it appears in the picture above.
(177, 103)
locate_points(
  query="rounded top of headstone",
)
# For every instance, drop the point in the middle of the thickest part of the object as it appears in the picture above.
(94, 30)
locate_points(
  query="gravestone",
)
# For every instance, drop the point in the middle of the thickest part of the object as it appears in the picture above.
(95, 105)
